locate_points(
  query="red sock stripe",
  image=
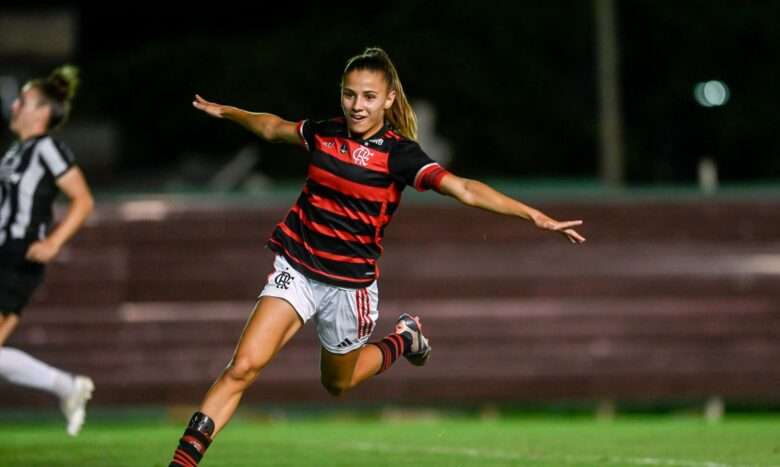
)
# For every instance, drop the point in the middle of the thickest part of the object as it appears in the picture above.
(390, 360)
(195, 443)
(392, 348)
(202, 437)
(398, 342)
(184, 459)
(387, 358)
(192, 446)
(390, 355)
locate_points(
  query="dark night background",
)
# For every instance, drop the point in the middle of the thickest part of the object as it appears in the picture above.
(514, 85)
(671, 307)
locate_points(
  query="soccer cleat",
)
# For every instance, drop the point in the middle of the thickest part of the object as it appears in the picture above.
(420, 350)
(74, 406)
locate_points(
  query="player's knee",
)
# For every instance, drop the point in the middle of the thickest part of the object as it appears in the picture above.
(335, 387)
(244, 369)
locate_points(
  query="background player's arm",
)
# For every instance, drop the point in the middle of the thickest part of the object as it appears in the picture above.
(477, 194)
(267, 126)
(75, 187)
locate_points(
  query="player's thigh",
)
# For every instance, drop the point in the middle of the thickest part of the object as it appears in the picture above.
(272, 324)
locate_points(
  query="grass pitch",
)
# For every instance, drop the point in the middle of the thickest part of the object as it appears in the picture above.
(536, 441)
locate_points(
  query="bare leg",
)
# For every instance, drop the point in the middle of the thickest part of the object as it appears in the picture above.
(272, 324)
(8, 323)
(343, 372)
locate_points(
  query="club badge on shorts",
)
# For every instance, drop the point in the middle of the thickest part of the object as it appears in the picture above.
(283, 280)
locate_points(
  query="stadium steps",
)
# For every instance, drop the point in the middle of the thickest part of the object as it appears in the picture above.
(665, 301)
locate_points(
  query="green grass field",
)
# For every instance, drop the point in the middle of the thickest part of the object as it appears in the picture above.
(658, 440)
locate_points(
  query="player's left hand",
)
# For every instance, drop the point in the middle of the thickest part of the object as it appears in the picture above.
(563, 227)
(42, 251)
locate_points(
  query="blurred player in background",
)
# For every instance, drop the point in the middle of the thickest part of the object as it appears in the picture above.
(328, 245)
(32, 172)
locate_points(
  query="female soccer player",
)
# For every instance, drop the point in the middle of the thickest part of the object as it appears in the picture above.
(328, 245)
(33, 170)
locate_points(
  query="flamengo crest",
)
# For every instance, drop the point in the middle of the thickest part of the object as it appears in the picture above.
(361, 156)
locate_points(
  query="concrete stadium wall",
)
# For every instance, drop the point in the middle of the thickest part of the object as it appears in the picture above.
(666, 301)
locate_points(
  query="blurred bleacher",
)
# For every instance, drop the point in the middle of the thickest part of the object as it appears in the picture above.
(668, 300)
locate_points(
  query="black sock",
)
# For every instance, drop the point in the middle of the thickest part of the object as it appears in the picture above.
(194, 441)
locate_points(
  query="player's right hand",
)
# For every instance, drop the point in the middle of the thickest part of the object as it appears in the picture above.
(211, 108)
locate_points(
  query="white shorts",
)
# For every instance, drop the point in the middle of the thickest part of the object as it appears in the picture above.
(345, 317)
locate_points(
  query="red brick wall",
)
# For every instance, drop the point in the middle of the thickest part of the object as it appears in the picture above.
(665, 301)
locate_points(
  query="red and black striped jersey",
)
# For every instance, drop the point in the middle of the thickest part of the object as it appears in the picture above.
(333, 233)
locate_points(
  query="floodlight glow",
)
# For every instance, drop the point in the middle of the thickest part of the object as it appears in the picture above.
(711, 93)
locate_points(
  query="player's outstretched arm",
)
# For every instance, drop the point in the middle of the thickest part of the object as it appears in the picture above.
(267, 126)
(477, 194)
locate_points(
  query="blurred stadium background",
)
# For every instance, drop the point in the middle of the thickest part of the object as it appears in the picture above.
(655, 122)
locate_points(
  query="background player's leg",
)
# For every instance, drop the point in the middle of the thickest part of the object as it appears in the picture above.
(22, 369)
(8, 322)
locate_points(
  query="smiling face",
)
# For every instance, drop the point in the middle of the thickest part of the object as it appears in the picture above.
(364, 99)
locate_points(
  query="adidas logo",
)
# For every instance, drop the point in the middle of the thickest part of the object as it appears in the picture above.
(345, 343)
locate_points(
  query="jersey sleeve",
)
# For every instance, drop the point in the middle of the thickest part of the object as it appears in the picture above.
(306, 130)
(57, 157)
(410, 165)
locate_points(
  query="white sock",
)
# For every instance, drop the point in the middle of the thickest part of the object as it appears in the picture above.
(20, 368)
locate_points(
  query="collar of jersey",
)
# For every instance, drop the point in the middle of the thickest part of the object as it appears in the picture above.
(381, 131)
(28, 142)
